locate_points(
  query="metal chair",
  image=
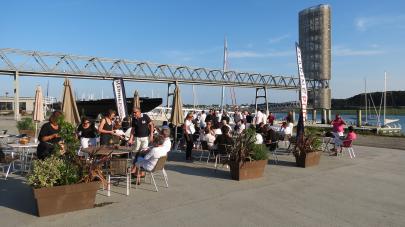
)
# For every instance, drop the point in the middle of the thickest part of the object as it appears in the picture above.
(222, 152)
(205, 148)
(273, 149)
(347, 145)
(119, 168)
(159, 168)
(7, 163)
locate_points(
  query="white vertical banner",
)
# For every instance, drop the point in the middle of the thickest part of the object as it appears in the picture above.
(303, 84)
(120, 97)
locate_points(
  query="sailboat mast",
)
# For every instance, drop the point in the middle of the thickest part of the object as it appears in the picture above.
(365, 94)
(194, 97)
(223, 71)
(385, 95)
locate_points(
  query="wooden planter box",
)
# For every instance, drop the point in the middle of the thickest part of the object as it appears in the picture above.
(308, 159)
(61, 199)
(247, 170)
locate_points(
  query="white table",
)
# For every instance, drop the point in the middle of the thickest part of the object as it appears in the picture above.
(23, 149)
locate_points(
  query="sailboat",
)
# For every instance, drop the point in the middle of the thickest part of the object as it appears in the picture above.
(385, 122)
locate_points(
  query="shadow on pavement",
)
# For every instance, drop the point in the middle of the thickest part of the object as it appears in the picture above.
(282, 163)
(199, 171)
(17, 195)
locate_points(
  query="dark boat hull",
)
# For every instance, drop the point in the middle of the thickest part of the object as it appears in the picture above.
(93, 108)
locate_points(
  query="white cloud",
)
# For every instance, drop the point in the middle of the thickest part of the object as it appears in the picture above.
(345, 51)
(253, 54)
(279, 38)
(366, 23)
(190, 54)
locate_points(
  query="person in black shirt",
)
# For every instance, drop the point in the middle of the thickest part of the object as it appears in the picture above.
(209, 117)
(49, 136)
(142, 130)
(105, 129)
(249, 118)
(87, 133)
(224, 140)
(225, 117)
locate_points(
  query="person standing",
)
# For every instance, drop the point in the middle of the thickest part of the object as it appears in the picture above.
(203, 116)
(259, 117)
(225, 117)
(237, 116)
(338, 126)
(270, 119)
(49, 136)
(105, 129)
(337, 130)
(142, 130)
(188, 131)
(209, 117)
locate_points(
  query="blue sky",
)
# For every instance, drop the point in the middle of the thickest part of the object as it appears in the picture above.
(367, 38)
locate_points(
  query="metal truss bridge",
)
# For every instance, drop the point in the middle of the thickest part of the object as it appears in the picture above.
(44, 64)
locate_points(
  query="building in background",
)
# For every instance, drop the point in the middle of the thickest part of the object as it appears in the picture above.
(315, 43)
(26, 104)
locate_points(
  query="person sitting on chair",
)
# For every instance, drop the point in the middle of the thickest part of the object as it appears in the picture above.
(271, 138)
(209, 137)
(223, 139)
(151, 158)
(346, 142)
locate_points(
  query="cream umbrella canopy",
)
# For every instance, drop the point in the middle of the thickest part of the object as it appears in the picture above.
(176, 117)
(38, 113)
(137, 103)
(69, 107)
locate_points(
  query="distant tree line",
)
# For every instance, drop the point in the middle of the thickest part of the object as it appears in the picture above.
(395, 99)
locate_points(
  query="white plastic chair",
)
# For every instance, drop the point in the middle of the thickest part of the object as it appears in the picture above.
(349, 148)
(159, 167)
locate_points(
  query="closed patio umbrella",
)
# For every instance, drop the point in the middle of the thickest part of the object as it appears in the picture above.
(136, 102)
(38, 113)
(176, 117)
(69, 107)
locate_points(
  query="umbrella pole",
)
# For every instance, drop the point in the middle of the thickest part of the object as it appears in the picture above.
(36, 131)
(175, 139)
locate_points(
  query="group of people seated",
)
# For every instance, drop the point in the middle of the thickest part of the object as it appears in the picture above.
(222, 134)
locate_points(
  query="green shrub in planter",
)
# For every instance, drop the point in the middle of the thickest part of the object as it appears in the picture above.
(259, 152)
(53, 171)
(59, 169)
(26, 124)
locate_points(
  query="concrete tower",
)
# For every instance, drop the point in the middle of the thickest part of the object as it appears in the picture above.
(315, 43)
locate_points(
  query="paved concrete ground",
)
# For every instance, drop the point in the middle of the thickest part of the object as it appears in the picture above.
(366, 191)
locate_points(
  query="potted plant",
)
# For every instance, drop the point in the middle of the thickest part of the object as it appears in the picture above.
(57, 181)
(247, 159)
(307, 151)
(26, 126)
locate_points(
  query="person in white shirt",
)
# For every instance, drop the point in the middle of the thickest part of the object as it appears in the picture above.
(209, 137)
(259, 117)
(165, 132)
(203, 124)
(189, 130)
(217, 129)
(149, 161)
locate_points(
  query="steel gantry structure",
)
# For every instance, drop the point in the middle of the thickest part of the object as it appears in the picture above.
(15, 62)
